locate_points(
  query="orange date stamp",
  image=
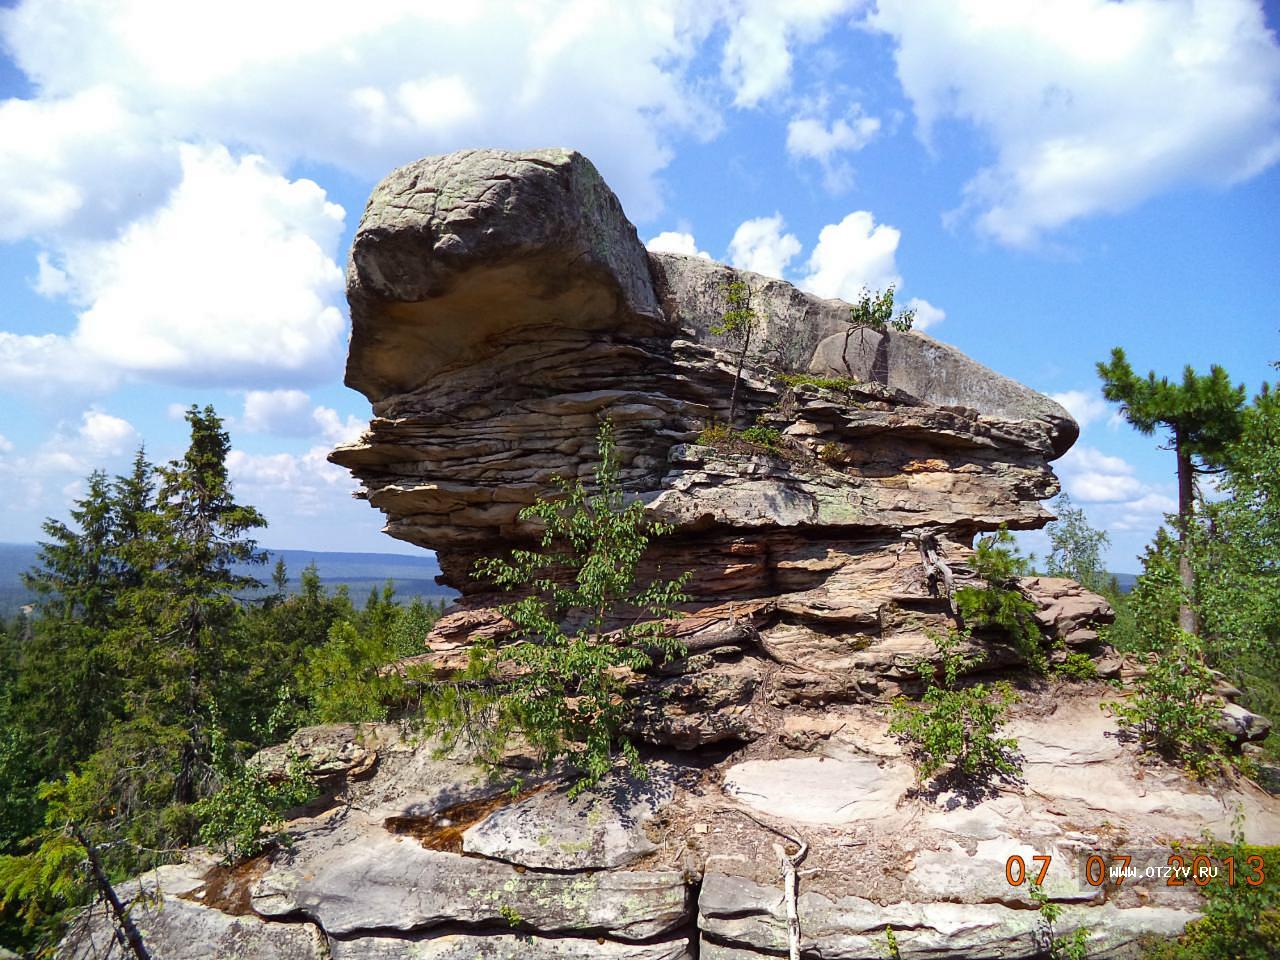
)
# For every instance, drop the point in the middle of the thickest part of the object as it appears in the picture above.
(1174, 869)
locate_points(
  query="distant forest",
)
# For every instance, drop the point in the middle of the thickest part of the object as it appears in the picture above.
(412, 576)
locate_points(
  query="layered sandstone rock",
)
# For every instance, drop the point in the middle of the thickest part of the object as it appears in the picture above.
(501, 306)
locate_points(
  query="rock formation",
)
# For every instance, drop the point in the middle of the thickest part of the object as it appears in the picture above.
(501, 305)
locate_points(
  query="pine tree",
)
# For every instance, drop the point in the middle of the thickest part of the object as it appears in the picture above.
(1203, 414)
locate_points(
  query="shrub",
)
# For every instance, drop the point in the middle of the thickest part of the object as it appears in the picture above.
(724, 437)
(1175, 712)
(956, 726)
(839, 384)
(1076, 666)
(1000, 605)
(581, 629)
(1240, 921)
(1075, 947)
(245, 815)
(345, 679)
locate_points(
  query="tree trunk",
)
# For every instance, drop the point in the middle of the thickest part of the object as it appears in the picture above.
(125, 927)
(737, 375)
(1187, 619)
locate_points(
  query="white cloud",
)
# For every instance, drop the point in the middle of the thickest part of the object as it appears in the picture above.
(101, 433)
(362, 89)
(809, 137)
(1091, 106)
(927, 315)
(277, 411)
(50, 281)
(97, 440)
(673, 241)
(290, 413)
(334, 428)
(1086, 406)
(760, 245)
(232, 280)
(303, 484)
(757, 56)
(852, 254)
(1092, 476)
(76, 164)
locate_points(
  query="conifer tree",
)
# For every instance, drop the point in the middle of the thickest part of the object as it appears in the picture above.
(1203, 414)
(188, 593)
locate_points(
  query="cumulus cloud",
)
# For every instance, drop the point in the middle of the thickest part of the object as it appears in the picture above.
(122, 83)
(1091, 106)
(673, 241)
(761, 245)
(857, 252)
(66, 456)
(1092, 476)
(809, 137)
(335, 428)
(757, 57)
(1086, 406)
(286, 412)
(927, 315)
(304, 484)
(232, 280)
(290, 413)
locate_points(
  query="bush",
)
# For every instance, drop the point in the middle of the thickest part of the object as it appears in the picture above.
(1074, 947)
(245, 815)
(583, 629)
(1175, 712)
(1000, 605)
(722, 437)
(956, 728)
(344, 678)
(1240, 921)
(839, 384)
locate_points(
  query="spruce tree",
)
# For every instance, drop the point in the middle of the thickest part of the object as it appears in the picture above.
(1203, 414)
(188, 596)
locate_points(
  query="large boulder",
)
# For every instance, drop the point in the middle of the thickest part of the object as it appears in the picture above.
(501, 306)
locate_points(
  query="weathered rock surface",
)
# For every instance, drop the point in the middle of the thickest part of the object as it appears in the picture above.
(595, 831)
(501, 304)
(404, 886)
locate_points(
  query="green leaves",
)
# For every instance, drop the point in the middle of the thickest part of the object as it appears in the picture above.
(244, 816)
(1203, 412)
(739, 317)
(955, 728)
(875, 312)
(1000, 605)
(1076, 547)
(582, 629)
(1174, 711)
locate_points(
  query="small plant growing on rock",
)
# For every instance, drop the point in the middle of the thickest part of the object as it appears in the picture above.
(1175, 712)
(581, 630)
(738, 324)
(724, 437)
(838, 384)
(956, 726)
(245, 815)
(1000, 605)
(874, 312)
(1075, 947)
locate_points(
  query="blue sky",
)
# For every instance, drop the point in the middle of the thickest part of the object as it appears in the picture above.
(179, 186)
